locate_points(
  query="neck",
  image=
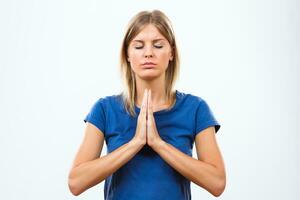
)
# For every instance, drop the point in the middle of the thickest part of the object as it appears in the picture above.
(157, 87)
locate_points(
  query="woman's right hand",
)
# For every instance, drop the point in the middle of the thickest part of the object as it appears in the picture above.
(141, 128)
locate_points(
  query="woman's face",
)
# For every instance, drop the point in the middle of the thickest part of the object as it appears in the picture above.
(149, 46)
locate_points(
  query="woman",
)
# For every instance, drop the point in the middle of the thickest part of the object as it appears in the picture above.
(149, 128)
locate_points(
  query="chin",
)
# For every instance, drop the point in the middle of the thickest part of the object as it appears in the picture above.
(149, 76)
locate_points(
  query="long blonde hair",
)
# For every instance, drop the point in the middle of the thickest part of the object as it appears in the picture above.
(136, 24)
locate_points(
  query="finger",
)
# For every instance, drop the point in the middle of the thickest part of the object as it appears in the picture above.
(149, 106)
(150, 109)
(144, 103)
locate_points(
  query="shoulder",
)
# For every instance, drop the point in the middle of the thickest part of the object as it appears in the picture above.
(109, 101)
(190, 99)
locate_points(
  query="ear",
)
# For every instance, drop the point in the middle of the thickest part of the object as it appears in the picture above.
(171, 54)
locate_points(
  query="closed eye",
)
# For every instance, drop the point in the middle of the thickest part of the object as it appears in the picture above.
(156, 46)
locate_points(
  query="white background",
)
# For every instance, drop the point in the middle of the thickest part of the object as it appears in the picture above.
(58, 57)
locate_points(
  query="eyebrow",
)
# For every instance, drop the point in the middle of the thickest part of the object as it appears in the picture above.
(152, 40)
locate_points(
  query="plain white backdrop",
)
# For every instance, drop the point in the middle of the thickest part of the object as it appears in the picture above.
(58, 57)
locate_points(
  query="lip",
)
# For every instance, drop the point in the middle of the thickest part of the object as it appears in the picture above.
(148, 65)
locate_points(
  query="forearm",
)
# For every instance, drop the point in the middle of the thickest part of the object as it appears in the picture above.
(199, 172)
(93, 172)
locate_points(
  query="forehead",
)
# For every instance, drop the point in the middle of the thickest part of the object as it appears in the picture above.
(149, 32)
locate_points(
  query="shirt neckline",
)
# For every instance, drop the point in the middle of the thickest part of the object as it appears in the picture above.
(137, 109)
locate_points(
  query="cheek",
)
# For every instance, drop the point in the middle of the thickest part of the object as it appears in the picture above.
(134, 59)
(164, 57)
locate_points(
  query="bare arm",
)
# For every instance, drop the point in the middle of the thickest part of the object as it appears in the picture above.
(88, 169)
(208, 171)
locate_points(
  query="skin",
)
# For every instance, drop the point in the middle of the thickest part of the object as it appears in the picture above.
(150, 45)
(89, 169)
(207, 171)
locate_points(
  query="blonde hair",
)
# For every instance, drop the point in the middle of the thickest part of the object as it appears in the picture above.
(136, 24)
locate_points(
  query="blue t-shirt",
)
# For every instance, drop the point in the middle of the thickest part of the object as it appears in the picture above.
(147, 176)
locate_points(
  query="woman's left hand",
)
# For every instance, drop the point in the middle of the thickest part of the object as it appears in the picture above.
(152, 133)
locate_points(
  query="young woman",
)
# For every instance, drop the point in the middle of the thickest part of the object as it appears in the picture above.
(149, 128)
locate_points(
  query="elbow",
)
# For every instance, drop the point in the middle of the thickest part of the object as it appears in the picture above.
(219, 188)
(74, 186)
(216, 188)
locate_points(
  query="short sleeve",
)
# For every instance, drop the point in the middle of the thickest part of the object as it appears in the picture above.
(96, 115)
(205, 118)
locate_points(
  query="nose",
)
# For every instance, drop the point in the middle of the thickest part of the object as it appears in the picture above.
(148, 52)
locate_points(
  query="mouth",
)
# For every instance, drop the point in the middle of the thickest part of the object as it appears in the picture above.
(148, 65)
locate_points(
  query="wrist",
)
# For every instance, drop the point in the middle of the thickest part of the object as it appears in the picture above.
(137, 142)
(158, 144)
